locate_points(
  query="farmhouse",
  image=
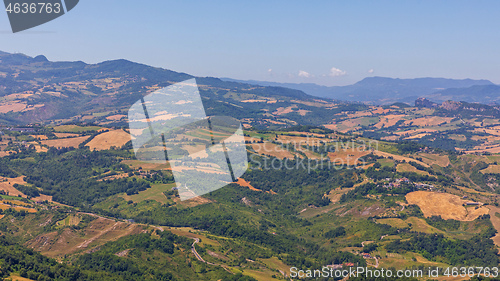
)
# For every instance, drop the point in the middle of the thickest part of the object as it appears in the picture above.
(472, 203)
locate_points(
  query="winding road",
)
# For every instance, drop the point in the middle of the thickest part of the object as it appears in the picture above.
(193, 249)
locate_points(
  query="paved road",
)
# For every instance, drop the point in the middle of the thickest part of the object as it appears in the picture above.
(193, 249)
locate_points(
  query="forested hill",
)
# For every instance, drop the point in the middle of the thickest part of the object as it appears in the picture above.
(38, 90)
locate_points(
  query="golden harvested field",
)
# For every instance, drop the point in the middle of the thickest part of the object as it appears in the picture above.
(38, 147)
(75, 128)
(14, 106)
(298, 141)
(244, 183)
(405, 167)
(415, 131)
(116, 117)
(448, 206)
(394, 222)
(254, 101)
(428, 121)
(193, 202)
(7, 184)
(493, 169)
(303, 112)
(431, 159)
(389, 120)
(69, 142)
(490, 149)
(40, 137)
(17, 208)
(334, 195)
(106, 140)
(420, 225)
(496, 223)
(457, 137)
(390, 138)
(398, 157)
(5, 153)
(195, 151)
(272, 149)
(493, 131)
(417, 224)
(65, 135)
(155, 192)
(101, 230)
(70, 220)
(42, 198)
(417, 136)
(358, 114)
(147, 166)
(317, 103)
(380, 110)
(350, 156)
(473, 191)
(284, 110)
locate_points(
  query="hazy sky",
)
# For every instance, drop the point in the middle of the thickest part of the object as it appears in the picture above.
(325, 42)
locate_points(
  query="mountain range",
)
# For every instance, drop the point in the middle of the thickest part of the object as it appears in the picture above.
(34, 89)
(384, 90)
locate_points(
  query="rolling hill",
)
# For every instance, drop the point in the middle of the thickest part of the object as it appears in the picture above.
(38, 90)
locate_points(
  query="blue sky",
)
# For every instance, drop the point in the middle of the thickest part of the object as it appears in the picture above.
(324, 42)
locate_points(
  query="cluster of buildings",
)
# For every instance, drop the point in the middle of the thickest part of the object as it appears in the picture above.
(397, 183)
(21, 130)
(366, 256)
(339, 266)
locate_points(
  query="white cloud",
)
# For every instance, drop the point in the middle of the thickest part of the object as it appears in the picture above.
(304, 74)
(334, 72)
(371, 71)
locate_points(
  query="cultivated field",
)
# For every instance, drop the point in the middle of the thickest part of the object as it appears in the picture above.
(57, 244)
(75, 128)
(405, 167)
(39, 137)
(146, 166)
(116, 138)
(153, 193)
(428, 121)
(349, 155)
(389, 120)
(116, 117)
(334, 195)
(431, 159)
(272, 149)
(12, 107)
(492, 169)
(68, 142)
(7, 185)
(417, 224)
(244, 183)
(448, 206)
(398, 157)
(284, 110)
(65, 135)
(495, 220)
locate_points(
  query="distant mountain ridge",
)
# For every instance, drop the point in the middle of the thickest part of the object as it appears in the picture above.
(384, 90)
(39, 90)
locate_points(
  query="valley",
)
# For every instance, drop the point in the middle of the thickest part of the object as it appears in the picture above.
(329, 183)
(393, 191)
